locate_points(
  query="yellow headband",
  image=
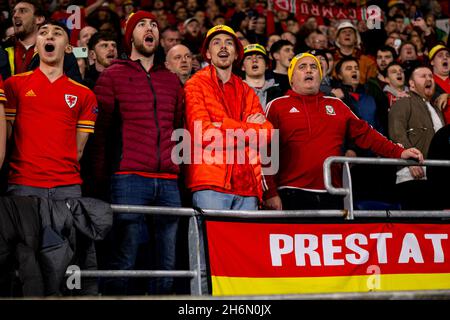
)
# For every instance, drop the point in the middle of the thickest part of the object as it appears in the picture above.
(301, 56)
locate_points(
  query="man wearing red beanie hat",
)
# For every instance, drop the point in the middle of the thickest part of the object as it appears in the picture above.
(219, 102)
(147, 99)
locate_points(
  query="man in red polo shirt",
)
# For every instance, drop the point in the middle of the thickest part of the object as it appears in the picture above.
(53, 117)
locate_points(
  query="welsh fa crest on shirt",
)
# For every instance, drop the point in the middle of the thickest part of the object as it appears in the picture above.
(71, 100)
(330, 110)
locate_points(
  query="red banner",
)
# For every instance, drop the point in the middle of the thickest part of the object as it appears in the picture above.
(265, 258)
(300, 8)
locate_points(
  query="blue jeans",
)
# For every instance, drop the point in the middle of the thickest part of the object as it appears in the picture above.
(209, 199)
(130, 231)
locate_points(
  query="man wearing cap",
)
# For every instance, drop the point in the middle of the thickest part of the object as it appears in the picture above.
(254, 65)
(219, 102)
(312, 128)
(141, 103)
(348, 43)
(218, 99)
(440, 61)
(192, 35)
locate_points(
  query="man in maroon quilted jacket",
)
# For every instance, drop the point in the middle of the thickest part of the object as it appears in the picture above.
(140, 104)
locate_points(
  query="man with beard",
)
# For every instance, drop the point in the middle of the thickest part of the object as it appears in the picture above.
(102, 50)
(375, 85)
(141, 103)
(413, 122)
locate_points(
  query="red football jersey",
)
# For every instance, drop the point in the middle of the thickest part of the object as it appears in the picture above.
(46, 118)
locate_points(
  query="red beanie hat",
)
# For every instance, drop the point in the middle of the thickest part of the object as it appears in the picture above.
(132, 21)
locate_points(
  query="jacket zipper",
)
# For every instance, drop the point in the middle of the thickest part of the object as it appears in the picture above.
(155, 113)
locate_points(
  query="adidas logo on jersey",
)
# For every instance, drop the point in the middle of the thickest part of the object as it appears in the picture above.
(293, 110)
(30, 93)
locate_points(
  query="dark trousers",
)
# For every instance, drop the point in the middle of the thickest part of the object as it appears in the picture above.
(297, 199)
(137, 240)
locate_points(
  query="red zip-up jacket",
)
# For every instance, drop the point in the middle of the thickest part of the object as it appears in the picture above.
(313, 128)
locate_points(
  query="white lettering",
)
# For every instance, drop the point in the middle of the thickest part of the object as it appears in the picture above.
(329, 250)
(437, 246)
(350, 242)
(301, 249)
(381, 245)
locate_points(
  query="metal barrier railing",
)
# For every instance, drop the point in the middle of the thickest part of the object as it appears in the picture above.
(347, 189)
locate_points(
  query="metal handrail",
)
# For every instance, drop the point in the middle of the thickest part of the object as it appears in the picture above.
(348, 191)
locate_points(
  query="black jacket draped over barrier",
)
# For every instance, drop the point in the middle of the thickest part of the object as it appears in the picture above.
(40, 238)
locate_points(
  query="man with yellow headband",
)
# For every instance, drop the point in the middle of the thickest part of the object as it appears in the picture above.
(312, 128)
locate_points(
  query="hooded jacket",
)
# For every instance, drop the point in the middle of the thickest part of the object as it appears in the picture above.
(268, 92)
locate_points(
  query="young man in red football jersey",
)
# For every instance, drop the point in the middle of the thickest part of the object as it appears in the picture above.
(52, 118)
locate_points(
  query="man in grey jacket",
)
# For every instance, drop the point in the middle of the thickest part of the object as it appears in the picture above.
(413, 122)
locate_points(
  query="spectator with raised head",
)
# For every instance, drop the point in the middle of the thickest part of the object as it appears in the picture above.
(148, 99)
(306, 118)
